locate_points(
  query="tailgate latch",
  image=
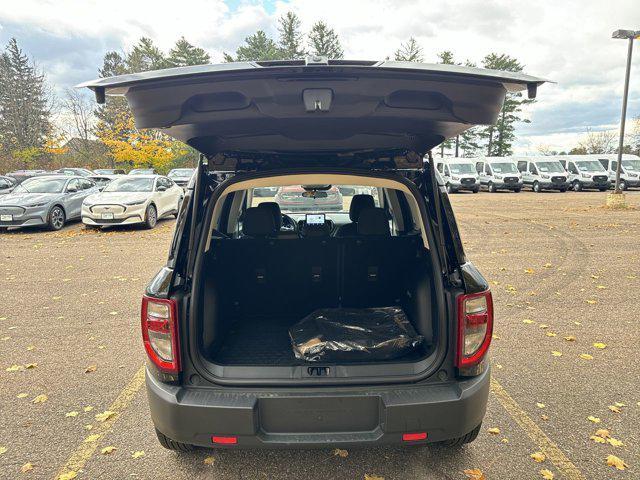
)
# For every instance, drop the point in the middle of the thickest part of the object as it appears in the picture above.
(317, 99)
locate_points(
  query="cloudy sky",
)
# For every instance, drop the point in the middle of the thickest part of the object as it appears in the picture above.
(568, 41)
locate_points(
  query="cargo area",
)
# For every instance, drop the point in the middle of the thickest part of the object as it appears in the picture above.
(256, 289)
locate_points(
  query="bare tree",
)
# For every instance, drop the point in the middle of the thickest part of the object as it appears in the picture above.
(79, 123)
(599, 142)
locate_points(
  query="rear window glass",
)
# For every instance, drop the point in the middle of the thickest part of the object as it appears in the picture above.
(313, 199)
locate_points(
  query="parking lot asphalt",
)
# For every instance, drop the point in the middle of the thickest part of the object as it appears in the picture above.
(565, 273)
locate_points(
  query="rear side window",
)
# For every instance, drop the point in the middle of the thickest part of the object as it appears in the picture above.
(604, 162)
(479, 167)
(533, 169)
(522, 166)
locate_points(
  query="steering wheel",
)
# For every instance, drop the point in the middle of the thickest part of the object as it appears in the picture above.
(289, 224)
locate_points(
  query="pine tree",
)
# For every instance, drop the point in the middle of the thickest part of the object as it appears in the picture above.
(184, 54)
(500, 137)
(290, 40)
(324, 41)
(25, 106)
(145, 56)
(257, 47)
(409, 52)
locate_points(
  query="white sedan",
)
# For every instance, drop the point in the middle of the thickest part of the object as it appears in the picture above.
(133, 199)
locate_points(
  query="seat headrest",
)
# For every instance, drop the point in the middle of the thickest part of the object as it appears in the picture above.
(274, 208)
(359, 203)
(373, 221)
(258, 222)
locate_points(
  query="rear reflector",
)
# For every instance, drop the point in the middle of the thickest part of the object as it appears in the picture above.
(224, 440)
(414, 437)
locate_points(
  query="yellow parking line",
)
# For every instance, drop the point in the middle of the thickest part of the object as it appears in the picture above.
(86, 449)
(535, 433)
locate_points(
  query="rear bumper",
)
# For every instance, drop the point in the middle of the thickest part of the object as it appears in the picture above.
(324, 417)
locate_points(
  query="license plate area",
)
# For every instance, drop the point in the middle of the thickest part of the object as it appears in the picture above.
(319, 414)
(6, 218)
(107, 216)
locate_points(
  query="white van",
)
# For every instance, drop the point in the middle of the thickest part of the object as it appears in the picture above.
(458, 174)
(630, 172)
(499, 173)
(543, 173)
(585, 171)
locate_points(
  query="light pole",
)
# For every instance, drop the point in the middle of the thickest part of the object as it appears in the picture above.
(630, 35)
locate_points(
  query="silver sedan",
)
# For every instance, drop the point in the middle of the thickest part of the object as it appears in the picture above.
(45, 201)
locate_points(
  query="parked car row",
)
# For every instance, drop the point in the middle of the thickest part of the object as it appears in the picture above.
(51, 200)
(561, 172)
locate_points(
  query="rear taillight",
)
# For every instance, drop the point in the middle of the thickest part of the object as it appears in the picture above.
(475, 325)
(160, 333)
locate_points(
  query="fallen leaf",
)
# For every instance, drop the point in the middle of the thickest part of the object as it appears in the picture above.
(600, 345)
(104, 416)
(3, 450)
(614, 442)
(494, 430)
(88, 408)
(593, 419)
(540, 405)
(30, 366)
(597, 439)
(71, 414)
(547, 265)
(505, 440)
(40, 398)
(595, 277)
(108, 450)
(556, 353)
(552, 334)
(543, 326)
(70, 475)
(601, 287)
(617, 462)
(544, 417)
(138, 454)
(603, 433)
(614, 409)
(26, 467)
(585, 356)
(90, 368)
(619, 404)
(526, 320)
(88, 427)
(570, 338)
(529, 271)
(538, 457)
(591, 301)
(546, 474)
(22, 395)
(14, 368)
(209, 461)
(113, 313)
(474, 474)
(92, 438)
(341, 453)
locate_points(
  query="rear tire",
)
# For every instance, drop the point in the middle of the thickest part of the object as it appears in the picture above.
(536, 187)
(602, 189)
(577, 186)
(517, 190)
(169, 444)
(151, 217)
(623, 185)
(491, 187)
(449, 188)
(460, 441)
(56, 218)
(563, 190)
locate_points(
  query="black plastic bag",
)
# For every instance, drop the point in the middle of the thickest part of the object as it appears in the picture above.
(354, 334)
